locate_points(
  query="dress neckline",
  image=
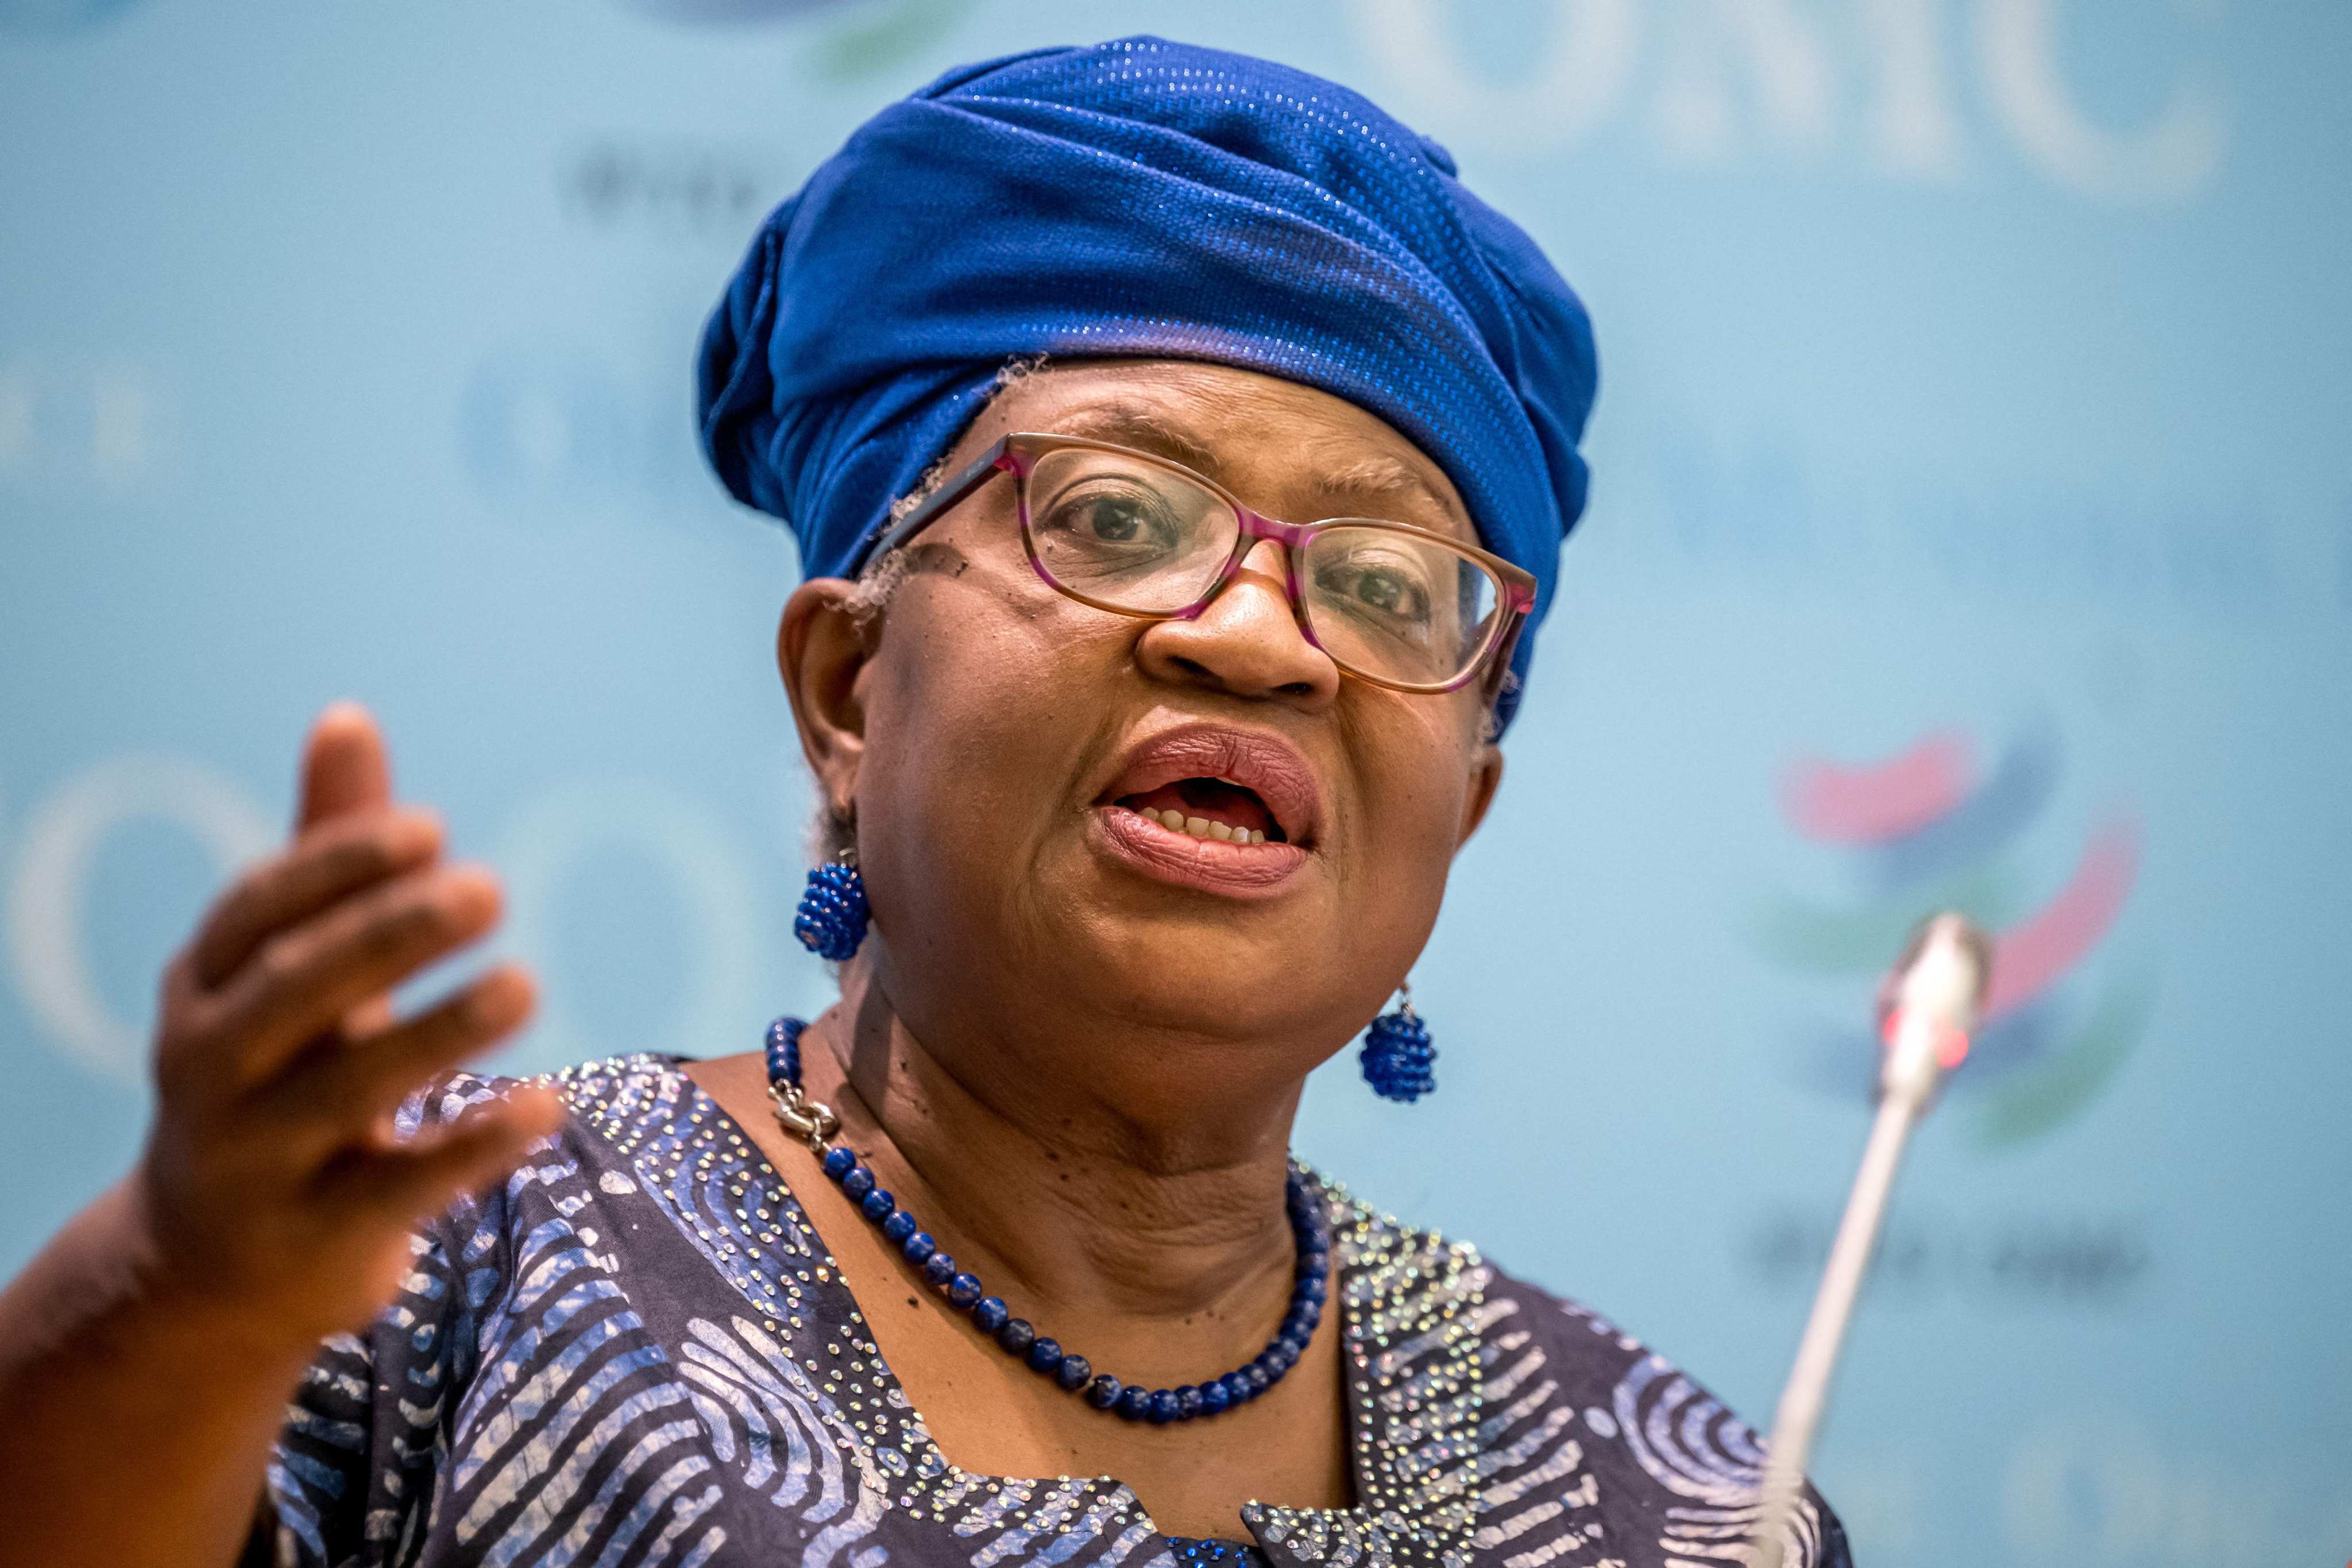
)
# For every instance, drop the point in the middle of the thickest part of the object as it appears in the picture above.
(1409, 1310)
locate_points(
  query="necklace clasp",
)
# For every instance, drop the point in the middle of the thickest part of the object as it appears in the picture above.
(806, 1119)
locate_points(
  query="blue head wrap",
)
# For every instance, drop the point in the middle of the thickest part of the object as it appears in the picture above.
(1140, 198)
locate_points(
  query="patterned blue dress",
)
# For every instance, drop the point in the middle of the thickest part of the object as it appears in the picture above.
(637, 1354)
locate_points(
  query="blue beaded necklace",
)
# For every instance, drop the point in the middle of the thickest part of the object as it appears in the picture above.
(816, 1125)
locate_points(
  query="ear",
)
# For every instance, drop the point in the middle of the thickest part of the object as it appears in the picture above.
(1486, 778)
(822, 649)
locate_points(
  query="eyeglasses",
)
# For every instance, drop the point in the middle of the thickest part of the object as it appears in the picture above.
(1400, 606)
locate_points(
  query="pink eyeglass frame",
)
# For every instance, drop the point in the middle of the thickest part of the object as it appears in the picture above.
(1017, 454)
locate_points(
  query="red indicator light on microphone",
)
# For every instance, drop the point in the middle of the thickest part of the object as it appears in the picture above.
(1951, 1045)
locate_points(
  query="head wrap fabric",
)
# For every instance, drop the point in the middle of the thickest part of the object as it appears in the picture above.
(1140, 198)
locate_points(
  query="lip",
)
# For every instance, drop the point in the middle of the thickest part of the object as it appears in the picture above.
(1236, 870)
(1267, 764)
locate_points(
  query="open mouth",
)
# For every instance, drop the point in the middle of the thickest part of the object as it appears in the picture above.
(1208, 807)
(1227, 809)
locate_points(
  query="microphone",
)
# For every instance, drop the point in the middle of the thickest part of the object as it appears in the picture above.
(1926, 1008)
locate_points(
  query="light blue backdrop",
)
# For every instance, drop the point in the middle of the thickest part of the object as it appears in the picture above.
(1973, 519)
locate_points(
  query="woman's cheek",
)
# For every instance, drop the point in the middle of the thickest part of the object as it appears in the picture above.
(980, 726)
(1413, 802)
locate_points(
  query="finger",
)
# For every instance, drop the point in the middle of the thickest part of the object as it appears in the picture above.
(336, 860)
(335, 1095)
(373, 1017)
(347, 769)
(306, 980)
(344, 766)
(423, 1178)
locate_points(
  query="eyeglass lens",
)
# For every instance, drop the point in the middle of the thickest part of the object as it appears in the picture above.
(1133, 535)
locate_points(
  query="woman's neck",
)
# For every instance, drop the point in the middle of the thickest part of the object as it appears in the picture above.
(1048, 1193)
(1161, 1252)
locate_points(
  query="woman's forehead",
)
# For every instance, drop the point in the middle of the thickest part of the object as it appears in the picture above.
(1277, 444)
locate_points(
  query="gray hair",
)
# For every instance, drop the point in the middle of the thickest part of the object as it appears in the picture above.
(834, 833)
(879, 577)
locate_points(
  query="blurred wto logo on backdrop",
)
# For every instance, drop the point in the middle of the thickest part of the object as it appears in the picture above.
(639, 901)
(2122, 103)
(868, 36)
(107, 429)
(1928, 829)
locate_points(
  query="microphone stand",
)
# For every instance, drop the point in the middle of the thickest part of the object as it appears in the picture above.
(1928, 1006)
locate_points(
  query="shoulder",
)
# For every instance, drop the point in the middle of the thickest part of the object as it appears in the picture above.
(612, 1089)
(556, 1287)
(1619, 1390)
(1582, 1430)
(621, 1106)
(631, 1117)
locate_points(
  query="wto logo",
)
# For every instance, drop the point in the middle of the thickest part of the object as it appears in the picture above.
(110, 429)
(1921, 831)
(81, 874)
(1923, 91)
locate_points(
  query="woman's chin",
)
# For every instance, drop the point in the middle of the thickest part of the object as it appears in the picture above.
(1135, 843)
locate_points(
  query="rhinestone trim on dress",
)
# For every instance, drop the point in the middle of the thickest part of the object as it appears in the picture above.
(1409, 1310)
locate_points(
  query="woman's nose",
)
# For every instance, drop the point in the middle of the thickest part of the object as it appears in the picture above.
(1246, 642)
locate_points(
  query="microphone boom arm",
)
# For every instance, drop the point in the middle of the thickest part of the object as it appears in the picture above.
(1929, 1004)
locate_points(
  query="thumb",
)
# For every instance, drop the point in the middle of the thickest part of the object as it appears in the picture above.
(344, 767)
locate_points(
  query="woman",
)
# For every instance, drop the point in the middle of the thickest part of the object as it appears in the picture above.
(1137, 804)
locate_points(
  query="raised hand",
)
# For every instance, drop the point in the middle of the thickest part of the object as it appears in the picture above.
(271, 1179)
(273, 1204)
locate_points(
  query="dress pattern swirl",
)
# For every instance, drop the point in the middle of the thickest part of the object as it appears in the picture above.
(637, 1352)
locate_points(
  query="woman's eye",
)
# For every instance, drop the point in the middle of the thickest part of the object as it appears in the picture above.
(1112, 519)
(1382, 592)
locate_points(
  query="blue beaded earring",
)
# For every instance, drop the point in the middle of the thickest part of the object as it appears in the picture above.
(1398, 1058)
(831, 918)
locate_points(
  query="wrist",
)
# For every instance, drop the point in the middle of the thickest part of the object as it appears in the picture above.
(179, 1297)
(100, 1294)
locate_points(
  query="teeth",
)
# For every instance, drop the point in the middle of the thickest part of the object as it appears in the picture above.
(1202, 827)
